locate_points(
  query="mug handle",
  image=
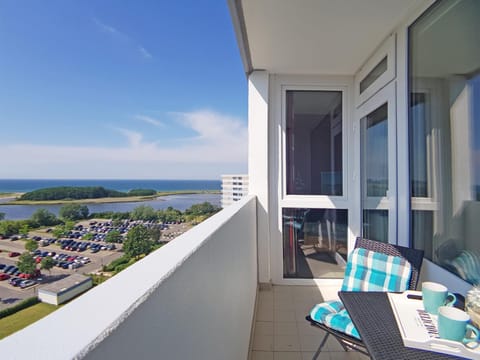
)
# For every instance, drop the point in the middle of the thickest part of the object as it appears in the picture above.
(471, 343)
(453, 301)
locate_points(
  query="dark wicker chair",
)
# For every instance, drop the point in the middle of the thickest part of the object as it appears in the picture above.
(415, 257)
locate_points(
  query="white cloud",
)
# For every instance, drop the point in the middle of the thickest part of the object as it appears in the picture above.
(114, 32)
(220, 147)
(134, 138)
(144, 53)
(106, 28)
(149, 120)
(213, 126)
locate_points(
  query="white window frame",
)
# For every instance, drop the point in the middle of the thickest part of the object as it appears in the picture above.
(386, 95)
(386, 49)
(328, 199)
(279, 198)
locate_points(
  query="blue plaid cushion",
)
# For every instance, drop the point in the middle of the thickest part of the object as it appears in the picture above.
(341, 321)
(320, 311)
(366, 271)
(372, 271)
(334, 315)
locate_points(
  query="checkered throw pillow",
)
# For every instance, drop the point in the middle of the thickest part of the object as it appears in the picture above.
(321, 311)
(334, 315)
(372, 271)
(366, 271)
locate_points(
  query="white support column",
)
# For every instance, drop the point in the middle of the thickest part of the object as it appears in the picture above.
(258, 83)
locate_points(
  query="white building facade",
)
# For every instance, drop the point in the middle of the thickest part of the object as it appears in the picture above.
(234, 187)
(363, 121)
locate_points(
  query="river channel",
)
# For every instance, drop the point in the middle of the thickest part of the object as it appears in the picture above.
(179, 202)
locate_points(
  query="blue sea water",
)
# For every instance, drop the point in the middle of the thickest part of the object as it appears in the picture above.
(25, 185)
(180, 202)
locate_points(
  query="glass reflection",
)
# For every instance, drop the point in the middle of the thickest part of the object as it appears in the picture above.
(314, 243)
(314, 143)
(444, 121)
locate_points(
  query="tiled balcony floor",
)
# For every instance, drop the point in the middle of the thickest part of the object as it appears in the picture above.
(281, 331)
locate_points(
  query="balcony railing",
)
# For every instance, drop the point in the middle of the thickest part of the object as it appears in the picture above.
(192, 299)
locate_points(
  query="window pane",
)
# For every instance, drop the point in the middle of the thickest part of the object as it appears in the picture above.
(314, 243)
(422, 231)
(314, 143)
(373, 75)
(444, 121)
(420, 131)
(375, 152)
(375, 225)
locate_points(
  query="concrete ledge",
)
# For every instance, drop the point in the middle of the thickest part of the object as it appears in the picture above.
(193, 287)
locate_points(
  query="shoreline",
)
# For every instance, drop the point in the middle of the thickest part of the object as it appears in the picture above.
(14, 196)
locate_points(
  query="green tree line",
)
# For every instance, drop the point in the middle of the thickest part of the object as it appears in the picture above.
(74, 212)
(81, 192)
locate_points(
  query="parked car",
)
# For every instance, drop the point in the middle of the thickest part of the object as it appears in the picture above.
(13, 254)
(27, 283)
(15, 281)
(4, 277)
(11, 270)
(8, 268)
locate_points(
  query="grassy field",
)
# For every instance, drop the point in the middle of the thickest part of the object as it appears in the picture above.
(23, 318)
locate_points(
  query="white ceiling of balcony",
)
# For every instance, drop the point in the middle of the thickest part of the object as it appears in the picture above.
(317, 36)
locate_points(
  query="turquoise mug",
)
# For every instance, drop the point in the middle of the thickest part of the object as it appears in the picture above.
(453, 325)
(435, 295)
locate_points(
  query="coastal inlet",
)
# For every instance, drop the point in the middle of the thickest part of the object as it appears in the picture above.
(179, 202)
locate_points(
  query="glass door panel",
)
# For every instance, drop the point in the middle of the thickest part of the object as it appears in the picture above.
(314, 242)
(375, 172)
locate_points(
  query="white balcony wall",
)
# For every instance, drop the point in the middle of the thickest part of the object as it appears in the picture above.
(192, 299)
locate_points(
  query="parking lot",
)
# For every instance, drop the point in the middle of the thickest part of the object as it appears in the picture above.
(71, 254)
(10, 295)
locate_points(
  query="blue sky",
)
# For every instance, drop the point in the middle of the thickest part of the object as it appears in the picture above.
(130, 89)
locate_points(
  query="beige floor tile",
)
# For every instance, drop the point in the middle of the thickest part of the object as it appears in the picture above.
(311, 343)
(267, 295)
(285, 328)
(304, 328)
(264, 313)
(284, 355)
(282, 297)
(300, 314)
(305, 306)
(261, 355)
(265, 304)
(281, 331)
(262, 343)
(284, 303)
(317, 294)
(302, 291)
(286, 343)
(279, 289)
(344, 355)
(333, 345)
(361, 356)
(264, 328)
(308, 355)
(283, 315)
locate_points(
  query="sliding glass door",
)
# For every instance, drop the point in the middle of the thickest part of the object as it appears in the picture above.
(376, 122)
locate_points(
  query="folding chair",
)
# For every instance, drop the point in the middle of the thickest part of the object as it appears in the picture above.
(412, 256)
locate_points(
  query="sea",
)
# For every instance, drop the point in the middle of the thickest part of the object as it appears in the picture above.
(180, 202)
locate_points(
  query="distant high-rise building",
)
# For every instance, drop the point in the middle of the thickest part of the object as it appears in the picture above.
(233, 188)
